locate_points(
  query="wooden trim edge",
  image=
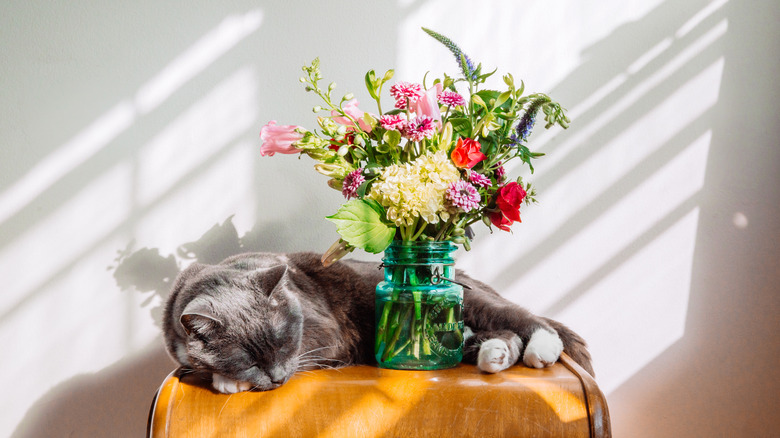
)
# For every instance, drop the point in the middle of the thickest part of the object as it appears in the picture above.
(156, 426)
(598, 412)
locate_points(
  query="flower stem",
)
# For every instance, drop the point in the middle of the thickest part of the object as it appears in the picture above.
(389, 353)
(426, 346)
(382, 325)
(417, 295)
(443, 230)
(419, 232)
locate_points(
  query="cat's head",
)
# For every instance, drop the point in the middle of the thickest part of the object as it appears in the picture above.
(248, 326)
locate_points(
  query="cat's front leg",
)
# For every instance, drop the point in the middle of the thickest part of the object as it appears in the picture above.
(492, 351)
(543, 349)
(228, 386)
(486, 311)
(496, 351)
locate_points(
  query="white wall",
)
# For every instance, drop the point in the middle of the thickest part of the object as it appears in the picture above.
(129, 136)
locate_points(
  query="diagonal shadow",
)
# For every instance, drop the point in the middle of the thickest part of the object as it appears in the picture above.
(613, 194)
(638, 109)
(148, 271)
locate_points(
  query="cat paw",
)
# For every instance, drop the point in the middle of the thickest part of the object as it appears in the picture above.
(228, 386)
(544, 348)
(497, 354)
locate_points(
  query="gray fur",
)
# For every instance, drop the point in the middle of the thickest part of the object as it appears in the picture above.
(260, 317)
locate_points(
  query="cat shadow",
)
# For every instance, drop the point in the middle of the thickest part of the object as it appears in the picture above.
(150, 273)
(115, 401)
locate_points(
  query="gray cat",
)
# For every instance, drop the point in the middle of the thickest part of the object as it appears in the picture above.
(255, 319)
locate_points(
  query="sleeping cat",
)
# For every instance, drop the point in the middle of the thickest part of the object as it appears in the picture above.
(253, 320)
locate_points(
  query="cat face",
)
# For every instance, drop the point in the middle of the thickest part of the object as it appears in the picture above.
(249, 330)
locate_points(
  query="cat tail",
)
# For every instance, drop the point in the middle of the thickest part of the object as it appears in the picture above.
(573, 345)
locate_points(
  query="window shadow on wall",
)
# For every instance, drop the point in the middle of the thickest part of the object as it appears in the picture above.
(144, 165)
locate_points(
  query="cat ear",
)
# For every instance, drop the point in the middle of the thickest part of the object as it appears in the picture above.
(198, 317)
(272, 278)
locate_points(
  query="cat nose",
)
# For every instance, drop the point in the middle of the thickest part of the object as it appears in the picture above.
(277, 374)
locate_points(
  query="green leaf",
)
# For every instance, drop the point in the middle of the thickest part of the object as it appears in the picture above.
(461, 126)
(377, 207)
(368, 118)
(503, 97)
(383, 148)
(361, 191)
(486, 75)
(359, 222)
(506, 116)
(392, 138)
(495, 98)
(488, 95)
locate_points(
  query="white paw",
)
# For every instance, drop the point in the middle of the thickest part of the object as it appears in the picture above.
(544, 348)
(495, 355)
(228, 386)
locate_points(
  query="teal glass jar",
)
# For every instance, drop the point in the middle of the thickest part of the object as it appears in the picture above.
(419, 319)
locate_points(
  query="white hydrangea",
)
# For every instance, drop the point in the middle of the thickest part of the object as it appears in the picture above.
(416, 190)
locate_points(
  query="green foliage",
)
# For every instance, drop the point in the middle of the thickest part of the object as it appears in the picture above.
(360, 223)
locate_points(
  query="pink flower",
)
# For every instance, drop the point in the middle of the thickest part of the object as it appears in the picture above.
(279, 138)
(428, 104)
(419, 128)
(500, 173)
(352, 110)
(352, 183)
(479, 180)
(463, 195)
(393, 122)
(404, 92)
(451, 98)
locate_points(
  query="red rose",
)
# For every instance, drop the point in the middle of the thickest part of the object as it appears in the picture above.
(508, 200)
(467, 153)
(498, 219)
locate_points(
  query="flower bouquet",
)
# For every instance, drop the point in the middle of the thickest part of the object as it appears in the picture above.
(420, 173)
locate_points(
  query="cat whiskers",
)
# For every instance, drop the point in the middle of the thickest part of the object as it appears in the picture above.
(319, 359)
(313, 362)
(307, 357)
(302, 355)
(223, 406)
(185, 371)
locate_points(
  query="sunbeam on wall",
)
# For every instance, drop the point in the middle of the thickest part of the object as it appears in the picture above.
(57, 289)
(115, 121)
(609, 250)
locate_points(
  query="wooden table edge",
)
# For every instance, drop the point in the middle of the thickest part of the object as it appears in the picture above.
(596, 406)
(596, 403)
